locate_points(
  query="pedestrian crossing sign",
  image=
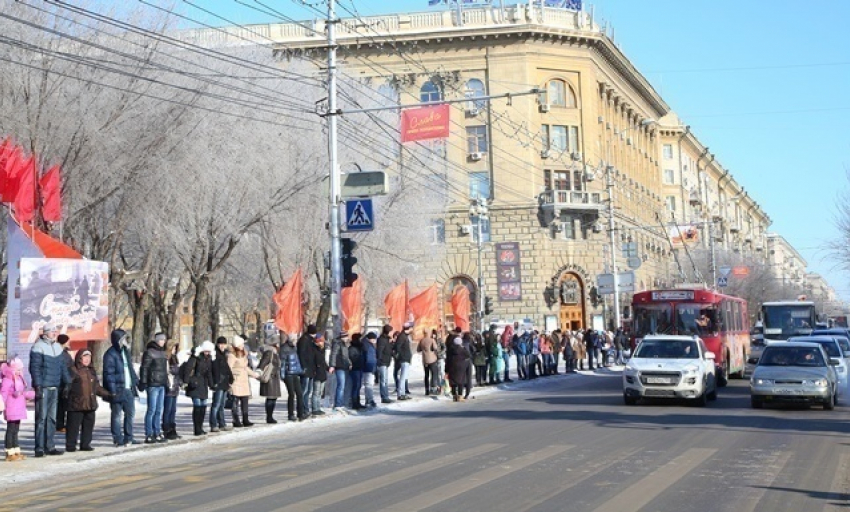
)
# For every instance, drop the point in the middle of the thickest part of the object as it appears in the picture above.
(358, 215)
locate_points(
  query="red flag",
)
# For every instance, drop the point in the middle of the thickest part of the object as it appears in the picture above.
(24, 202)
(396, 305)
(9, 188)
(7, 149)
(426, 311)
(352, 307)
(290, 313)
(51, 195)
(461, 306)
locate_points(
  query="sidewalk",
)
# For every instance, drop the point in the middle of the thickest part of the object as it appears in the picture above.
(32, 468)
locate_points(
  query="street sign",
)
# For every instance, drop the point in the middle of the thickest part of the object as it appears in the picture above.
(629, 249)
(358, 215)
(364, 184)
(741, 271)
(625, 283)
(725, 270)
(722, 281)
(634, 262)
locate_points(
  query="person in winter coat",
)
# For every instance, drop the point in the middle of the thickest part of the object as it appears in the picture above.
(403, 356)
(340, 365)
(198, 381)
(590, 347)
(621, 342)
(370, 366)
(569, 353)
(557, 347)
(496, 360)
(479, 359)
(457, 364)
(62, 405)
(355, 355)
(169, 408)
(507, 348)
(546, 354)
(292, 371)
(579, 349)
(320, 375)
(237, 360)
(490, 337)
(306, 354)
(13, 390)
(82, 402)
(441, 362)
(49, 373)
(222, 380)
(428, 348)
(153, 378)
(120, 379)
(384, 348)
(271, 389)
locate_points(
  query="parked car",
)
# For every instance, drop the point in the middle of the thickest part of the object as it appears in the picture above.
(833, 350)
(670, 367)
(794, 372)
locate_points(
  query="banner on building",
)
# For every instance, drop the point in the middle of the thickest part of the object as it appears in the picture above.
(508, 276)
(682, 235)
(425, 123)
(72, 294)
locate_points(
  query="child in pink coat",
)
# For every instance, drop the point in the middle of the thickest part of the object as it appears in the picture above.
(13, 390)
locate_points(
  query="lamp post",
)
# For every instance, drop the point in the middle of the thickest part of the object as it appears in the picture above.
(477, 214)
(609, 169)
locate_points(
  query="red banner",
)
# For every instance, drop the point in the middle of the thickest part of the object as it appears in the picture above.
(426, 311)
(461, 306)
(396, 305)
(425, 123)
(51, 194)
(352, 307)
(290, 316)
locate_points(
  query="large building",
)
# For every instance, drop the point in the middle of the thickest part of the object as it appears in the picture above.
(598, 142)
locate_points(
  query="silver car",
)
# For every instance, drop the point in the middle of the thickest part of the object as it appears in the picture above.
(794, 372)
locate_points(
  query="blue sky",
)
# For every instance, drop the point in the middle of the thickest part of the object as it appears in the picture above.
(762, 83)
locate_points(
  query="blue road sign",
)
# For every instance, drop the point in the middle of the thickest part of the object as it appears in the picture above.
(722, 281)
(358, 215)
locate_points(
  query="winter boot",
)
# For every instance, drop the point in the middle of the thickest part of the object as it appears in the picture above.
(202, 415)
(245, 421)
(170, 433)
(198, 420)
(270, 405)
(10, 455)
(236, 422)
(19, 455)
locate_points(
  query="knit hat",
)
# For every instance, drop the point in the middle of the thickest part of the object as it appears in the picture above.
(160, 336)
(49, 327)
(238, 342)
(311, 329)
(207, 346)
(372, 336)
(63, 339)
(457, 341)
(221, 340)
(408, 325)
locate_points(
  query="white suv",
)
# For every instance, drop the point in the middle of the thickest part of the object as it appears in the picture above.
(670, 367)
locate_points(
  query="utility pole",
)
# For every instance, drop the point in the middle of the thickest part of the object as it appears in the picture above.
(335, 179)
(478, 214)
(613, 242)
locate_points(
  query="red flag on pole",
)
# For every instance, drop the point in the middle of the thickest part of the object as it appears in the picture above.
(395, 304)
(352, 307)
(10, 174)
(426, 311)
(461, 307)
(290, 314)
(24, 202)
(51, 195)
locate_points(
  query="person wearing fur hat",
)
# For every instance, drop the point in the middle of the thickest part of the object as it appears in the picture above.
(169, 408)
(222, 379)
(237, 360)
(82, 402)
(153, 378)
(13, 390)
(271, 389)
(120, 379)
(457, 366)
(199, 381)
(49, 373)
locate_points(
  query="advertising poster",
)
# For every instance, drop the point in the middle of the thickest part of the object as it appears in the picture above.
(425, 123)
(508, 277)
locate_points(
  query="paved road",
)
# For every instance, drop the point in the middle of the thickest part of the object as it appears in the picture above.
(557, 444)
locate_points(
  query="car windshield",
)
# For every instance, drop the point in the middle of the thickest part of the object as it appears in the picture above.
(653, 319)
(829, 346)
(696, 318)
(844, 343)
(658, 349)
(791, 356)
(790, 319)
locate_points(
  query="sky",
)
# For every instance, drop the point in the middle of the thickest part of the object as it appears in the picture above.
(762, 83)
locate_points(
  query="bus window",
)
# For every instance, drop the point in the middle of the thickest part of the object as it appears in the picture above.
(696, 318)
(652, 319)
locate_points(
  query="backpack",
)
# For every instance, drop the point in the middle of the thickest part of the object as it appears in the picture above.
(187, 370)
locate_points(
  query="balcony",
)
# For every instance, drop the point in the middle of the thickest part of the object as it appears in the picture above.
(571, 200)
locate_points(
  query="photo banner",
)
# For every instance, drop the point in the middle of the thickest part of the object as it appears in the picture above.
(683, 235)
(508, 276)
(425, 123)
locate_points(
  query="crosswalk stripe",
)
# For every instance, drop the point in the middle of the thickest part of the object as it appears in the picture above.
(481, 477)
(331, 498)
(639, 494)
(257, 494)
(761, 487)
(838, 490)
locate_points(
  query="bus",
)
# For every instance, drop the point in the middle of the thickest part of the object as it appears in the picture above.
(782, 320)
(720, 320)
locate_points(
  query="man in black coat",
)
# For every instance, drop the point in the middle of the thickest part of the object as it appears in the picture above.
(222, 379)
(120, 379)
(307, 356)
(403, 356)
(62, 407)
(384, 350)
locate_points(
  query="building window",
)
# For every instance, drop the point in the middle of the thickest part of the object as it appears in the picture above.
(560, 94)
(544, 132)
(479, 185)
(668, 151)
(475, 89)
(669, 176)
(560, 138)
(559, 141)
(430, 92)
(568, 231)
(476, 139)
(438, 231)
(485, 229)
(671, 203)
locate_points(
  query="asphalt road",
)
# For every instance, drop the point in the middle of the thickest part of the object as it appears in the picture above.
(557, 444)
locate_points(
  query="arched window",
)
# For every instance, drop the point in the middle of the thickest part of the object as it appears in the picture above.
(560, 94)
(430, 92)
(475, 89)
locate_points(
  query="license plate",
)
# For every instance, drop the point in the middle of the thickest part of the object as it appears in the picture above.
(785, 391)
(658, 380)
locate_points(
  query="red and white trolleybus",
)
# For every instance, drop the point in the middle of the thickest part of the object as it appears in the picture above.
(721, 321)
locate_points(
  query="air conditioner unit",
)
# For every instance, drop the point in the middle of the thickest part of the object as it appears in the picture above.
(629, 141)
(471, 111)
(557, 227)
(735, 229)
(600, 119)
(545, 153)
(465, 229)
(476, 156)
(576, 157)
(589, 175)
(597, 228)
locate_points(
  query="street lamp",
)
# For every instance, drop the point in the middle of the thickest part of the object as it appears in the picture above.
(609, 168)
(477, 214)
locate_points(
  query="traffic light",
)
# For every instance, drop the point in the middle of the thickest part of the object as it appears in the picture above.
(488, 305)
(348, 261)
(594, 296)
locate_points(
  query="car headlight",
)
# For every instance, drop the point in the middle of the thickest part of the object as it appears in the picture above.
(761, 382)
(629, 370)
(821, 383)
(690, 370)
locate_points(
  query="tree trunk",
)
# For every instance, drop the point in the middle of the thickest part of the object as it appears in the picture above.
(172, 316)
(215, 311)
(324, 312)
(201, 329)
(138, 334)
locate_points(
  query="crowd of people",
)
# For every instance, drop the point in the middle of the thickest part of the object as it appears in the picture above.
(216, 377)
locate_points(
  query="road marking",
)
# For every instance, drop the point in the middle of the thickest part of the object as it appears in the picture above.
(639, 494)
(433, 496)
(253, 495)
(393, 478)
(838, 491)
(751, 502)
